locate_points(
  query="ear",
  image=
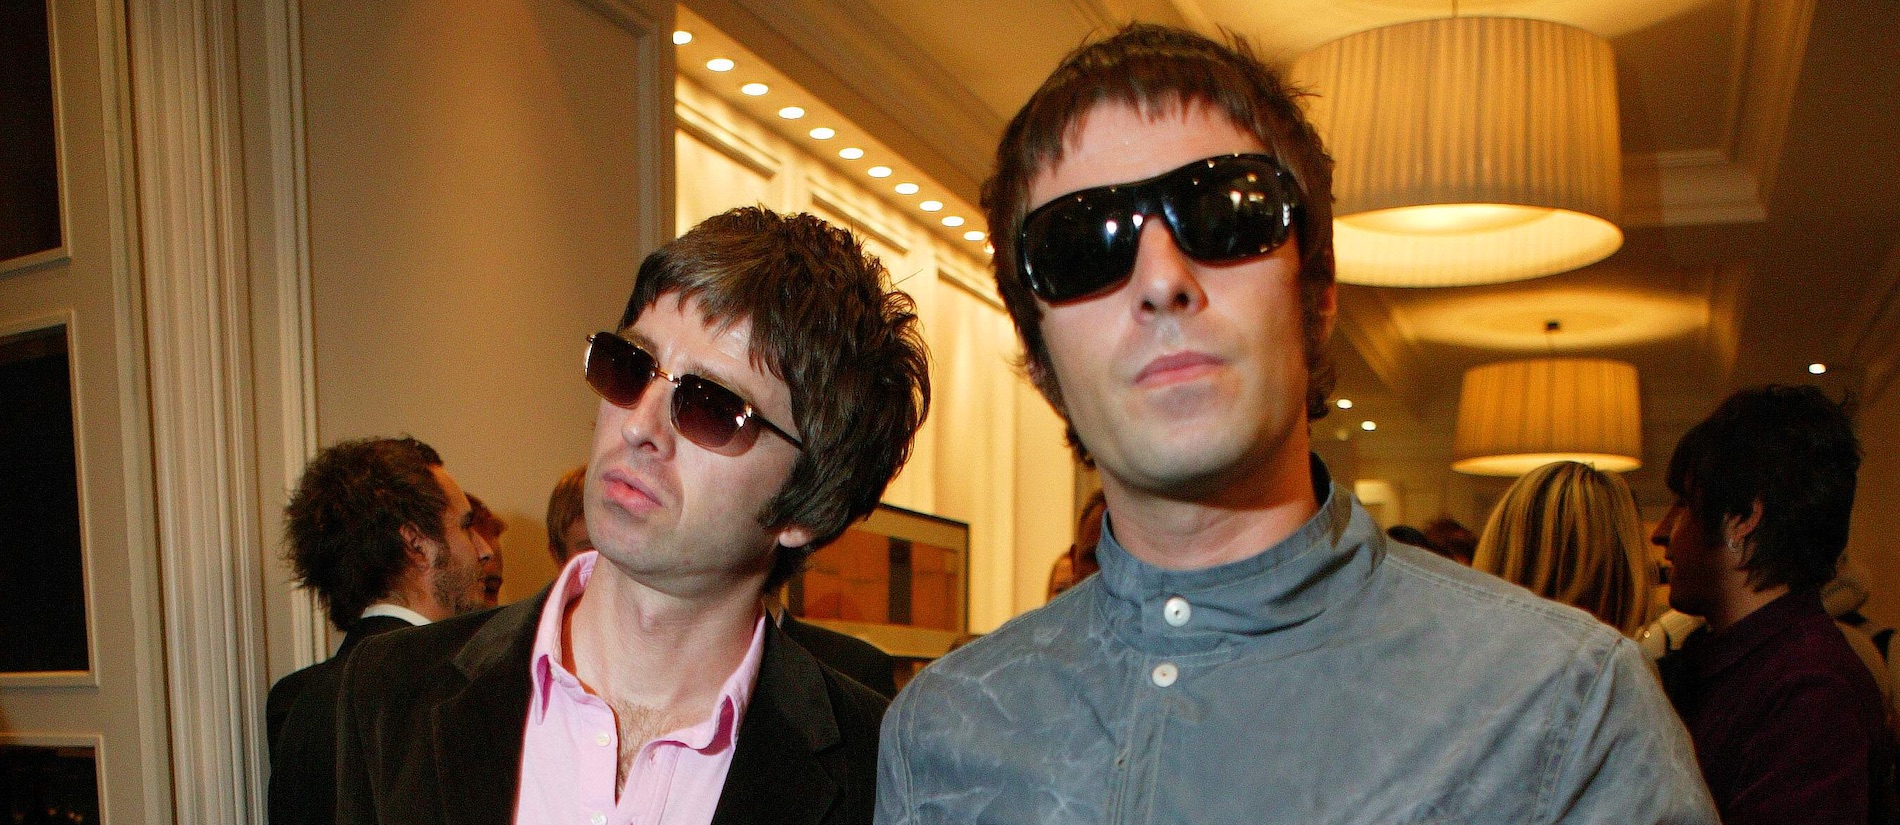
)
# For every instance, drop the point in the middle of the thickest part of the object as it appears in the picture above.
(1739, 528)
(794, 536)
(417, 546)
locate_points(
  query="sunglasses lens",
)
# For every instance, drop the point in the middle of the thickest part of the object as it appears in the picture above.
(618, 370)
(1073, 248)
(707, 413)
(1235, 210)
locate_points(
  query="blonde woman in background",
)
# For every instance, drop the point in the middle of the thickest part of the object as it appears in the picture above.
(1571, 534)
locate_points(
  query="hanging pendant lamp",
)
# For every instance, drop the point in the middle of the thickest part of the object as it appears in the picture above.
(1516, 416)
(1468, 150)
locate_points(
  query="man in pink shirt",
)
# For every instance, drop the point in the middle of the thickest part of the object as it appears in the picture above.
(761, 389)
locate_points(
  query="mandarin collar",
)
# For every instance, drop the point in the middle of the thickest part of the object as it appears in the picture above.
(1254, 600)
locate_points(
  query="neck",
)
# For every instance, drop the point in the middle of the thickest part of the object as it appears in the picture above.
(1739, 603)
(414, 593)
(634, 645)
(1235, 522)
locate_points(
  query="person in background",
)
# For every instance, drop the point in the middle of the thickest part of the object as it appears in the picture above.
(490, 527)
(1788, 723)
(567, 521)
(1253, 649)
(1571, 534)
(1079, 562)
(385, 536)
(1452, 540)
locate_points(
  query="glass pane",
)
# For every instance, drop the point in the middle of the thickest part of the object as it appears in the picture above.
(42, 584)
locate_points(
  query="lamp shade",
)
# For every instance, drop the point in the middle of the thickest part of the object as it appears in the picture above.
(1516, 416)
(1470, 150)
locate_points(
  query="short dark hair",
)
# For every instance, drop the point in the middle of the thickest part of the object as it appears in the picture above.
(826, 322)
(1157, 69)
(565, 506)
(343, 525)
(484, 521)
(1794, 450)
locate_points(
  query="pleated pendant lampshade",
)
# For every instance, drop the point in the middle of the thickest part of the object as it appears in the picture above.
(1516, 416)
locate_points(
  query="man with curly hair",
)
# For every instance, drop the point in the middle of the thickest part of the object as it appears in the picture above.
(386, 538)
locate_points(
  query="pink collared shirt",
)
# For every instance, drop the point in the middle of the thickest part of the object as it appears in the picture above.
(571, 748)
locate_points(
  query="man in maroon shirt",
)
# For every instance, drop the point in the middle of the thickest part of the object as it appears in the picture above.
(1787, 722)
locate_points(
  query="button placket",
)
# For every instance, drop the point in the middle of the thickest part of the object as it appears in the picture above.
(1164, 674)
(1177, 611)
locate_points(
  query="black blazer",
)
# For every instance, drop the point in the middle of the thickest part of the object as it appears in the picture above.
(300, 715)
(849, 655)
(432, 722)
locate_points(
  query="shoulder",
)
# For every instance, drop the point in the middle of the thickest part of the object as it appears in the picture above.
(1418, 590)
(401, 661)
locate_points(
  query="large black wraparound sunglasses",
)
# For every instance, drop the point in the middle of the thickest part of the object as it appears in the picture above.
(705, 412)
(1220, 209)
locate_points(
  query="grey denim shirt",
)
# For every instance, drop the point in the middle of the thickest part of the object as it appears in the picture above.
(1332, 678)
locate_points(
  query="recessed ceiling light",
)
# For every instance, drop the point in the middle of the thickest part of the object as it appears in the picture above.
(974, 235)
(823, 133)
(907, 188)
(719, 64)
(1368, 426)
(1817, 368)
(681, 38)
(1344, 403)
(953, 220)
(989, 249)
(754, 89)
(850, 153)
(791, 113)
(930, 206)
(879, 171)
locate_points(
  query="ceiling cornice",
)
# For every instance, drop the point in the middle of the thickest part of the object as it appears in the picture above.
(846, 53)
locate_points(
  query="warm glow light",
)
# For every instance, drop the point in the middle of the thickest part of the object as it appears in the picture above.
(1516, 416)
(989, 249)
(754, 89)
(953, 220)
(930, 206)
(879, 171)
(907, 188)
(791, 113)
(974, 235)
(850, 153)
(1817, 369)
(1368, 426)
(1344, 403)
(1469, 150)
(681, 38)
(719, 64)
(823, 133)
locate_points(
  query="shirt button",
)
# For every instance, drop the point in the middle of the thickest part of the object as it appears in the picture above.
(1177, 611)
(598, 819)
(1165, 674)
(603, 740)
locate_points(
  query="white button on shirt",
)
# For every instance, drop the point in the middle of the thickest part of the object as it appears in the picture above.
(1177, 611)
(1165, 674)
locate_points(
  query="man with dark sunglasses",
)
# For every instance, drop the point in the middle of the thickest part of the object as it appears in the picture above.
(1252, 649)
(761, 389)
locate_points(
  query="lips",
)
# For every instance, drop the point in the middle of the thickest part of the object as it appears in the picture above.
(1176, 367)
(631, 493)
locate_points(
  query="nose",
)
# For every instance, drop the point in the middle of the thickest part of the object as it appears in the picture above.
(1165, 278)
(1660, 536)
(648, 423)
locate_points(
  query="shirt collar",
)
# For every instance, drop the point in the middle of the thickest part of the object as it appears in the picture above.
(545, 666)
(394, 611)
(1709, 653)
(1326, 560)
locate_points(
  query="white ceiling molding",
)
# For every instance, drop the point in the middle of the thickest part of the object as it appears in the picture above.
(852, 58)
(693, 107)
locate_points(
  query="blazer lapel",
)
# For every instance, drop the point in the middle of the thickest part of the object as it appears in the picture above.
(781, 771)
(478, 729)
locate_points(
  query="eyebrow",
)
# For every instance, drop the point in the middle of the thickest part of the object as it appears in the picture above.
(706, 371)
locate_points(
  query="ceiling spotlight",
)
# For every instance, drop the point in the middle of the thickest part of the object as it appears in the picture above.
(1368, 426)
(681, 38)
(754, 89)
(974, 235)
(879, 171)
(850, 153)
(719, 64)
(953, 220)
(930, 206)
(907, 188)
(823, 133)
(1817, 368)
(989, 249)
(1344, 403)
(791, 113)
